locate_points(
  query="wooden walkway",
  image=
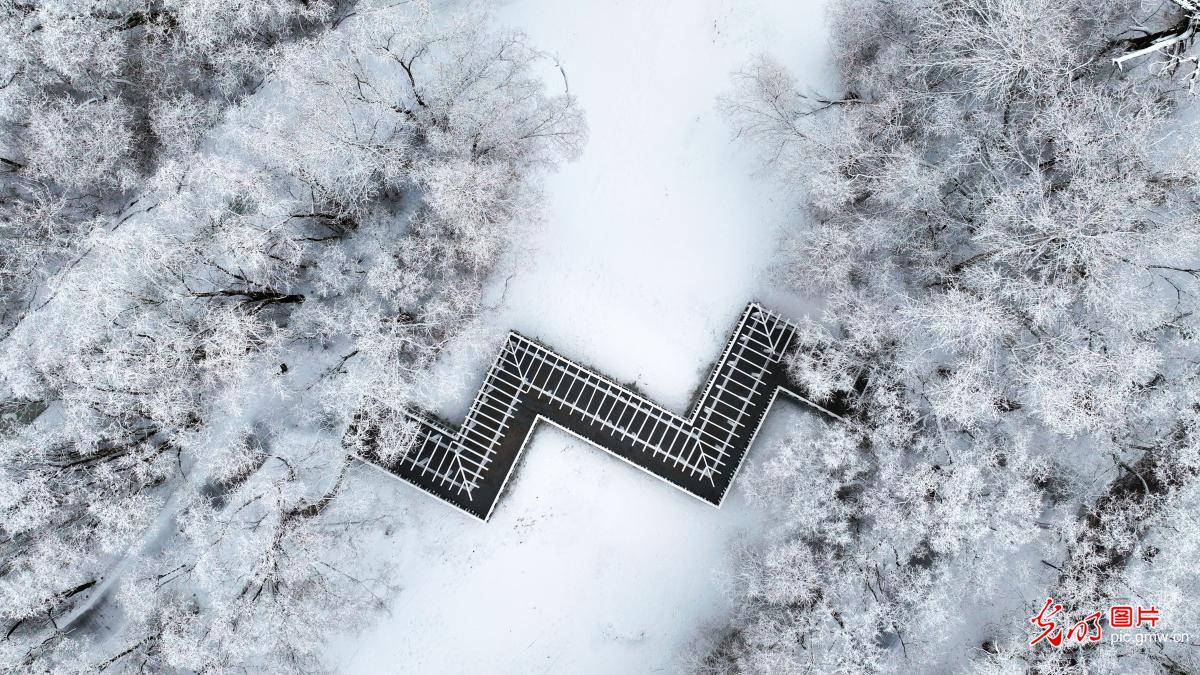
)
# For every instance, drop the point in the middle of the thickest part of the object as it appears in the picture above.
(699, 453)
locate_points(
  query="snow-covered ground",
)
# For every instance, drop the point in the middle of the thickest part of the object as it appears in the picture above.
(653, 243)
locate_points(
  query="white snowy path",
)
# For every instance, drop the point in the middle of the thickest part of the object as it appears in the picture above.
(654, 241)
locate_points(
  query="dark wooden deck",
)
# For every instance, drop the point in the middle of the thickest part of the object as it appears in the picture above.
(699, 453)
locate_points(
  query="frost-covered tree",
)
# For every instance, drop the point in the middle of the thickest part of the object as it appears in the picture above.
(174, 489)
(97, 94)
(1000, 216)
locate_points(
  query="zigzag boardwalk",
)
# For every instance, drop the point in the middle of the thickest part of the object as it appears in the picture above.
(699, 453)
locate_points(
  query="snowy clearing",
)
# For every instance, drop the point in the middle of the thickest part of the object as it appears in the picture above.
(652, 244)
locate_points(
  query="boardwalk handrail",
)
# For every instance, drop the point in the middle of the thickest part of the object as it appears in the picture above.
(699, 453)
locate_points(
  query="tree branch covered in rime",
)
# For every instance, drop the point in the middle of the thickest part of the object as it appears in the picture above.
(1172, 45)
(312, 228)
(1002, 222)
(95, 96)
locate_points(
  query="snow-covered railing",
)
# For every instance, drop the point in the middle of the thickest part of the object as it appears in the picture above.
(699, 453)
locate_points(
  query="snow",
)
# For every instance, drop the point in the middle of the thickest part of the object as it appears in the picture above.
(652, 245)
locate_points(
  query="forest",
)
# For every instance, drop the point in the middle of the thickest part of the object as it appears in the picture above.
(231, 228)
